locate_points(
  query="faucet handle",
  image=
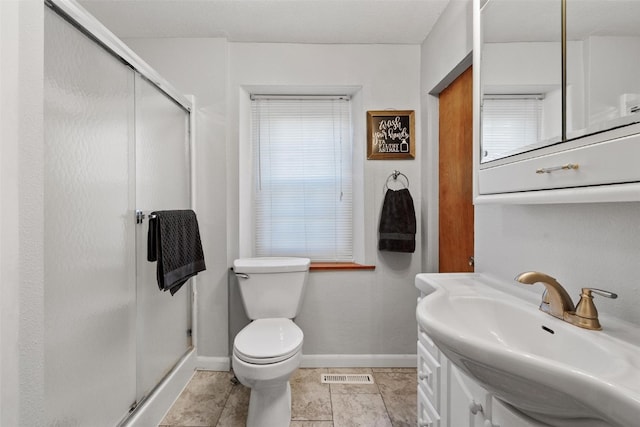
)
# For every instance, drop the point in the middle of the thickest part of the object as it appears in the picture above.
(586, 312)
(544, 304)
(601, 292)
(545, 296)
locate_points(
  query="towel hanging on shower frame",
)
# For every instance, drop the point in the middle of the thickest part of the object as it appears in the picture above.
(173, 241)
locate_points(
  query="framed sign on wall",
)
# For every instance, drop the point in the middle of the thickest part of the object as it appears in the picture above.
(390, 135)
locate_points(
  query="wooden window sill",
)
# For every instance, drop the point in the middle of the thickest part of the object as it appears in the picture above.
(328, 266)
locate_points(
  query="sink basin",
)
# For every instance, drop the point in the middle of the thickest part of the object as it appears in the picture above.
(548, 369)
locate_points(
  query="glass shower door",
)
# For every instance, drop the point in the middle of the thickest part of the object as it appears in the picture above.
(89, 240)
(162, 183)
(113, 143)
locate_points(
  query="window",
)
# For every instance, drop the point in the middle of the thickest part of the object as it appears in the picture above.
(509, 122)
(302, 187)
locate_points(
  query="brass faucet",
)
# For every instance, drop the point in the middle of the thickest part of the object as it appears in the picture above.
(557, 302)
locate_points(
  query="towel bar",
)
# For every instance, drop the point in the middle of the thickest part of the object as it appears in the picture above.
(140, 216)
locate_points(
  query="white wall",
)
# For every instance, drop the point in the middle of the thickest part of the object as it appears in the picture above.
(198, 67)
(449, 42)
(373, 311)
(21, 214)
(344, 312)
(593, 245)
(581, 245)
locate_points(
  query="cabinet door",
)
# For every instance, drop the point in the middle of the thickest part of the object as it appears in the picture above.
(427, 415)
(429, 376)
(466, 401)
(521, 87)
(601, 44)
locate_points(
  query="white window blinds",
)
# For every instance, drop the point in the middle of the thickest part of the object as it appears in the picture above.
(509, 122)
(302, 177)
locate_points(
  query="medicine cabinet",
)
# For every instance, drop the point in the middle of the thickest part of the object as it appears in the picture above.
(558, 90)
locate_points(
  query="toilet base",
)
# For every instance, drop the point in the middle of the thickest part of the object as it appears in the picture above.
(270, 406)
(270, 399)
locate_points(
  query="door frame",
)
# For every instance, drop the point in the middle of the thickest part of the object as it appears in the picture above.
(430, 158)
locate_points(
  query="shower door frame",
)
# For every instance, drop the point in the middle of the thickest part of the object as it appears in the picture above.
(76, 15)
(73, 13)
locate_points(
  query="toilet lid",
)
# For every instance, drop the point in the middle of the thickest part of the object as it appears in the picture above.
(265, 341)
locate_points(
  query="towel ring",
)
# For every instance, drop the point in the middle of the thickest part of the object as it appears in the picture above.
(395, 174)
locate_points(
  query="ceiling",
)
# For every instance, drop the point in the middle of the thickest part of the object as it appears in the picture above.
(274, 21)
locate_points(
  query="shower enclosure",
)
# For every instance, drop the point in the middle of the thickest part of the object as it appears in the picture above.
(115, 143)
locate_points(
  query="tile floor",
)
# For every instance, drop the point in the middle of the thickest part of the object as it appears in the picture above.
(211, 399)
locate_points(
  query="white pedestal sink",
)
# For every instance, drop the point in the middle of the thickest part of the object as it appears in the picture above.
(550, 370)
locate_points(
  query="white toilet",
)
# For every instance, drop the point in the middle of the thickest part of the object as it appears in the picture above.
(269, 349)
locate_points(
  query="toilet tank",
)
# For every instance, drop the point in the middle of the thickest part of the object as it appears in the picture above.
(272, 286)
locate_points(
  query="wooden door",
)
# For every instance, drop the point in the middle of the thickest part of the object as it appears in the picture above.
(456, 176)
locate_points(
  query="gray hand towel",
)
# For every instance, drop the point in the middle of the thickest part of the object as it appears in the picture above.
(174, 242)
(397, 222)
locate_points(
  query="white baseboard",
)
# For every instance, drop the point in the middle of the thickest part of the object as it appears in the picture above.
(213, 363)
(155, 406)
(359, 361)
(325, 361)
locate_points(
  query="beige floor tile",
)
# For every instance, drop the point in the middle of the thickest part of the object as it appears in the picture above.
(399, 394)
(359, 410)
(352, 388)
(201, 402)
(310, 399)
(210, 399)
(236, 409)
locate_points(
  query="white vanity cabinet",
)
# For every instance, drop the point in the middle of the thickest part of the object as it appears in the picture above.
(449, 398)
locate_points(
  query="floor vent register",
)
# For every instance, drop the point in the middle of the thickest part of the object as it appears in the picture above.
(347, 379)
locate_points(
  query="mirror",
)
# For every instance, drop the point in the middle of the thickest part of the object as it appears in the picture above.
(521, 72)
(521, 76)
(603, 46)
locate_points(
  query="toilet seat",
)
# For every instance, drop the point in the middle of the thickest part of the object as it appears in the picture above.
(266, 341)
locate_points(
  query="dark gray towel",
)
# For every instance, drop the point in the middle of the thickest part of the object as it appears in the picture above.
(397, 222)
(174, 241)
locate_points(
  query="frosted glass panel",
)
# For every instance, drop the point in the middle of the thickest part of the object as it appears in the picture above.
(89, 231)
(162, 183)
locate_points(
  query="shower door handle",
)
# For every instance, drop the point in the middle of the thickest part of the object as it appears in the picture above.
(139, 216)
